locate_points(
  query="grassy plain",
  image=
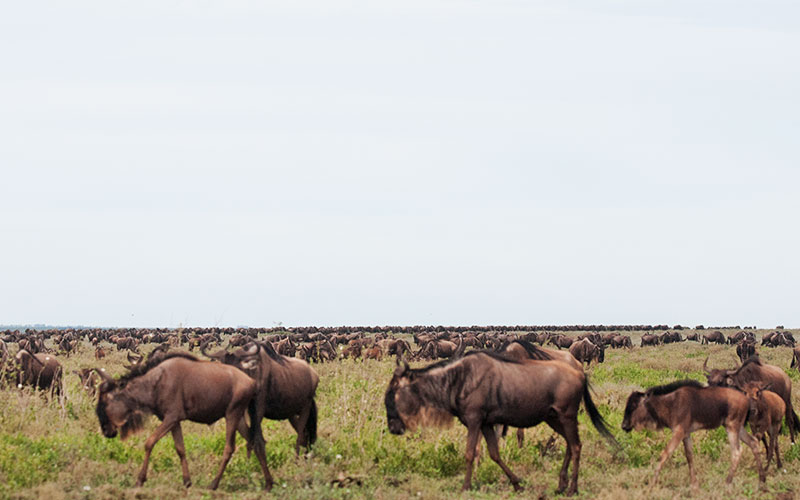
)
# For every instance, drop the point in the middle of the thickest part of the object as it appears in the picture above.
(51, 450)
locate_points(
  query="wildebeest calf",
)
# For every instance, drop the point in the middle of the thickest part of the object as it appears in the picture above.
(686, 406)
(766, 414)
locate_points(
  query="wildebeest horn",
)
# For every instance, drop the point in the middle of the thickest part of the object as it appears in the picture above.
(705, 366)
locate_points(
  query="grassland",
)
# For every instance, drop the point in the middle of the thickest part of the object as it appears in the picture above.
(55, 450)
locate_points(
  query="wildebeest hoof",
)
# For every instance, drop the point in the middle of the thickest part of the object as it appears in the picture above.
(187, 483)
(517, 487)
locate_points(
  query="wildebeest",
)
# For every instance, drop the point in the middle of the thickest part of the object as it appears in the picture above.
(648, 339)
(745, 350)
(753, 370)
(99, 353)
(715, 336)
(39, 370)
(686, 406)
(483, 389)
(620, 341)
(286, 388)
(561, 341)
(693, 336)
(766, 414)
(177, 387)
(586, 351)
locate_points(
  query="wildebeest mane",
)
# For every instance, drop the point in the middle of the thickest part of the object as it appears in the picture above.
(660, 390)
(142, 368)
(273, 355)
(533, 351)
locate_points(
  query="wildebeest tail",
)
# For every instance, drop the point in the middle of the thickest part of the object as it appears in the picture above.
(597, 419)
(311, 424)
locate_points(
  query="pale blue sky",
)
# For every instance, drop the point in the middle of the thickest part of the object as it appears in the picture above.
(399, 162)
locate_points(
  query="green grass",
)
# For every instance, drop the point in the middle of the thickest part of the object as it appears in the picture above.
(52, 450)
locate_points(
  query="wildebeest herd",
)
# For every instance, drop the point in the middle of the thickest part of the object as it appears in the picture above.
(488, 378)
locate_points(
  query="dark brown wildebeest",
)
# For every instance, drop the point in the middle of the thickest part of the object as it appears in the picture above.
(648, 339)
(795, 358)
(745, 350)
(741, 336)
(766, 415)
(686, 406)
(483, 389)
(177, 387)
(715, 336)
(39, 370)
(99, 353)
(286, 388)
(752, 370)
(351, 351)
(620, 341)
(561, 341)
(586, 351)
(693, 336)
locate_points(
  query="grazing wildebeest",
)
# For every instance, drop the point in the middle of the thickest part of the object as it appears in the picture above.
(745, 350)
(286, 388)
(648, 339)
(753, 370)
(586, 351)
(561, 341)
(483, 389)
(177, 387)
(686, 406)
(715, 336)
(766, 415)
(620, 341)
(39, 370)
(693, 336)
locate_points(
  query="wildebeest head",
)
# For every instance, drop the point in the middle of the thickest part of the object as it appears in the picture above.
(718, 377)
(398, 393)
(753, 392)
(406, 408)
(636, 414)
(115, 411)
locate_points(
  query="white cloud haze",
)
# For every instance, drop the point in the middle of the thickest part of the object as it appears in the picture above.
(243, 163)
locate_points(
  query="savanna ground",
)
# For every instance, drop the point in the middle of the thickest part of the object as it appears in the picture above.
(51, 450)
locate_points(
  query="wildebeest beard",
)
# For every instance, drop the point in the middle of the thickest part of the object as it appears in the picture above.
(133, 423)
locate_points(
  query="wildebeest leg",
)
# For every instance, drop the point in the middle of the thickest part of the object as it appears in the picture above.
(677, 437)
(753, 444)
(574, 446)
(520, 437)
(231, 423)
(299, 422)
(773, 448)
(258, 446)
(494, 452)
(157, 434)
(555, 424)
(180, 449)
(473, 435)
(687, 450)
